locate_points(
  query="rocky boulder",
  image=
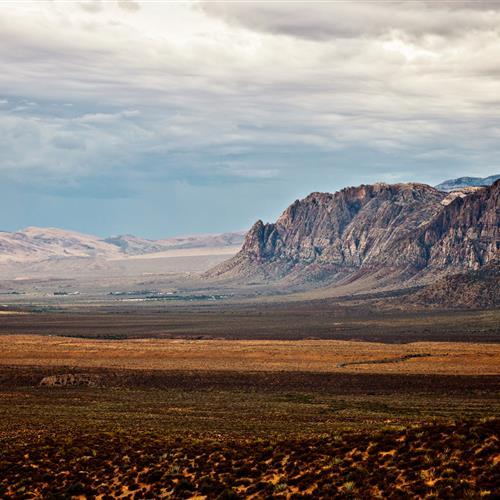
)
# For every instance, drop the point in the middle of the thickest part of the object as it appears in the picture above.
(70, 379)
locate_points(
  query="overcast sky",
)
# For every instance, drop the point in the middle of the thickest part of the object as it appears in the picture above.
(160, 118)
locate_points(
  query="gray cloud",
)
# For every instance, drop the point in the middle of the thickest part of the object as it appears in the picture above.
(346, 19)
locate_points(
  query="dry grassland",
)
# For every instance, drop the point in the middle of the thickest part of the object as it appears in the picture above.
(244, 355)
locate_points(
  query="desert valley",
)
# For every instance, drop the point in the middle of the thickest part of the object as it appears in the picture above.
(341, 343)
(249, 250)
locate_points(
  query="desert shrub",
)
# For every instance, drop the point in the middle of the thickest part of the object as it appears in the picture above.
(349, 486)
(228, 494)
(185, 485)
(153, 476)
(280, 487)
(75, 489)
(209, 486)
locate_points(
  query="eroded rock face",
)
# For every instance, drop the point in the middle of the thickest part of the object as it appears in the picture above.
(70, 379)
(345, 230)
(465, 235)
(402, 227)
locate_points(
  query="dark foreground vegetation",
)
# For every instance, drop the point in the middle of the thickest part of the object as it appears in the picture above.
(153, 434)
(436, 460)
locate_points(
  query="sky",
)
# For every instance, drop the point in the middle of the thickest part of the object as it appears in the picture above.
(160, 118)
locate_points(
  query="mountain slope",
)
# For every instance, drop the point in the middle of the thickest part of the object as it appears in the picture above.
(401, 229)
(132, 245)
(205, 240)
(464, 182)
(474, 289)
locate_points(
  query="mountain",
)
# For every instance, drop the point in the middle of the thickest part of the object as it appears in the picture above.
(325, 233)
(399, 231)
(37, 244)
(465, 182)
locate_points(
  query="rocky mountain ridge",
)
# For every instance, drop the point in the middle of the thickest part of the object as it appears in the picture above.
(402, 230)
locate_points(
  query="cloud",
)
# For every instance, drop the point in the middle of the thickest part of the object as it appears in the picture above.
(67, 141)
(97, 6)
(327, 20)
(92, 6)
(105, 118)
(129, 5)
(243, 92)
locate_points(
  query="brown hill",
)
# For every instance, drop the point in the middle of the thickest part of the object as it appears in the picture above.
(474, 289)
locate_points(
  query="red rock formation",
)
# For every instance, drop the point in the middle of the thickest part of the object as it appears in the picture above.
(402, 228)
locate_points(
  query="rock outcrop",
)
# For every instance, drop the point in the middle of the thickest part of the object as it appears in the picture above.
(70, 379)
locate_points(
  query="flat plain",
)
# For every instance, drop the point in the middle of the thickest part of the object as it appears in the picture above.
(320, 356)
(248, 400)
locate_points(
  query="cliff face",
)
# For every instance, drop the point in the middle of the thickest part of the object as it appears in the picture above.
(466, 233)
(402, 227)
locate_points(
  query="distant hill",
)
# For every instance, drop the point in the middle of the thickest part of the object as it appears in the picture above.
(465, 182)
(132, 245)
(36, 244)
